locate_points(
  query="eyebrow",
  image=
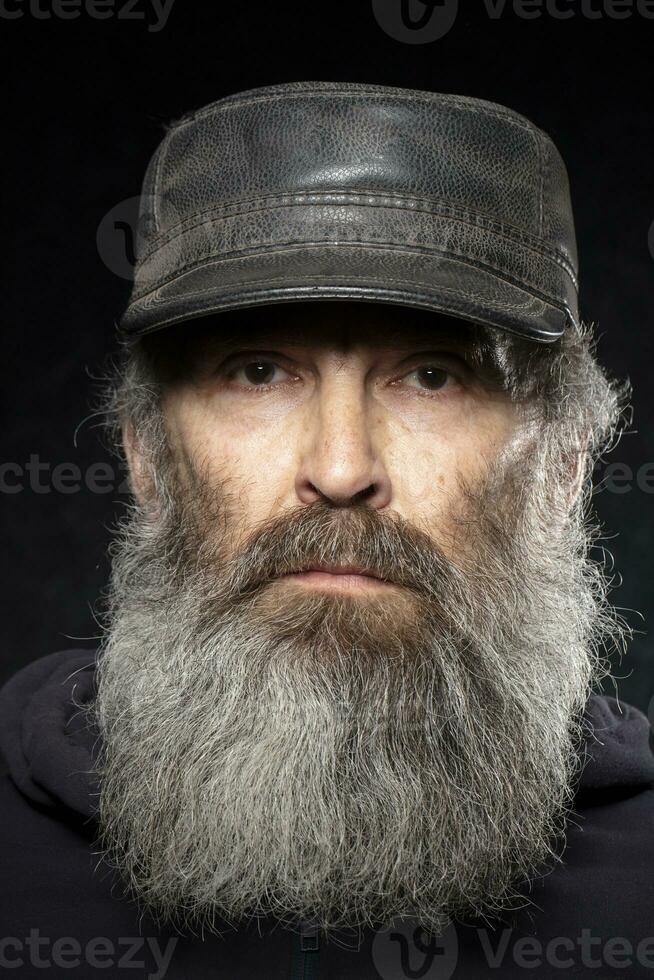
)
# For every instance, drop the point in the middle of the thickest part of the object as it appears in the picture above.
(255, 336)
(484, 347)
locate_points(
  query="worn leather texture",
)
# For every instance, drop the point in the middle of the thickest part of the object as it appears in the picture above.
(324, 190)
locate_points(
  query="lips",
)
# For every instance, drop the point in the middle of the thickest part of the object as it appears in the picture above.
(339, 570)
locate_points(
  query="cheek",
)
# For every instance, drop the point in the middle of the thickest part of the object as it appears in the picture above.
(426, 464)
(422, 472)
(252, 463)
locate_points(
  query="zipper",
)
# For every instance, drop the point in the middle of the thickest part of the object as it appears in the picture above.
(306, 952)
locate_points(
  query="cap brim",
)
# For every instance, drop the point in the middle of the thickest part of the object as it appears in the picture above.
(373, 273)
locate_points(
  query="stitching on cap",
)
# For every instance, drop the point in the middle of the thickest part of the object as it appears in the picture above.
(292, 198)
(448, 211)
(457, 102)
(376, 291)
(405, 282)
(462, 103)
(411, 96)
(390, 247)
(252, 250)
(427, 98)
(428, 297)
(382, 91)
(413, 296)
(163, 150)
(541, 176)
(262, 247)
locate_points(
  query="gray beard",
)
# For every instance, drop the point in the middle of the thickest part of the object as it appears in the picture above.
(266, 750)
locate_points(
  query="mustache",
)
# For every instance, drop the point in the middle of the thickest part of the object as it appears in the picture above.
(390, 548)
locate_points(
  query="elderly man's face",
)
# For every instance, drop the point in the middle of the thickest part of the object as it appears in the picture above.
(284, 739)
(344, 403)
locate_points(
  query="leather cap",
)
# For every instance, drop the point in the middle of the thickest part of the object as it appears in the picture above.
(324, 190)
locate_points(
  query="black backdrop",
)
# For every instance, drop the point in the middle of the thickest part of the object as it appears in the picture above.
(85, 100)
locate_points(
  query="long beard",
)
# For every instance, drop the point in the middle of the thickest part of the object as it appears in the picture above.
(267, 750)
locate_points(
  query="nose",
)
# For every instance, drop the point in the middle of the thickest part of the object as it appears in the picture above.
(339, 462)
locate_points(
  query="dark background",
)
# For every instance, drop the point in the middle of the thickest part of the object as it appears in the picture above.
(85, 101)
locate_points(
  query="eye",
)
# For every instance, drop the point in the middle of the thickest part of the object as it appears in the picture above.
(257, 372)
(428, 377)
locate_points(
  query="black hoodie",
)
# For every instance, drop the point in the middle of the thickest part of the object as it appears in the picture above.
(63, 912)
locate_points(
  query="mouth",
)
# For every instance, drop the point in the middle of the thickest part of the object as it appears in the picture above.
(337, 576)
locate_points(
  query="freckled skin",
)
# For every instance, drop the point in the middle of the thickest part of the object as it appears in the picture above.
(345, 410)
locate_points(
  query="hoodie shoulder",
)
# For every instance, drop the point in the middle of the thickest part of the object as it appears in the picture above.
(617, 749)
(44, 739)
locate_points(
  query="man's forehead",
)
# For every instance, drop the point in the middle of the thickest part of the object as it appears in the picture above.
(337, 325)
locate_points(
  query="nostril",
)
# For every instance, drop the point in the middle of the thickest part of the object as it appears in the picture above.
(345, 500)
(341, 485)
(364, 494)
